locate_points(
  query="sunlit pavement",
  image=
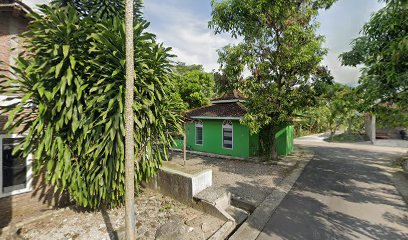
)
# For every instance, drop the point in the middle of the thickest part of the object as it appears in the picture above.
(344, 193)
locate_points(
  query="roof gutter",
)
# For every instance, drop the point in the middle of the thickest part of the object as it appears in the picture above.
(227, 101)
(228, 118)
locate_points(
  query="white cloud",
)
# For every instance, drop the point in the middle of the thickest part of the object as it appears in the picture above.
(340, 24)
(342, 74)
(32, 3)
(187, 33)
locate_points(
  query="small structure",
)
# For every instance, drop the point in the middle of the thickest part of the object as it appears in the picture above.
(216, 129)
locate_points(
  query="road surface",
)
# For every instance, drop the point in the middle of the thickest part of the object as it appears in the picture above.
(344, 193)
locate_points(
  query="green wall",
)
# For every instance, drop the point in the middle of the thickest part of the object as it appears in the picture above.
(245, 144)
(178, 144)
(284, 137)
(212, 138)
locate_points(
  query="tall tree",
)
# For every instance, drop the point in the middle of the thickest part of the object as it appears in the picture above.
(281, 50)
(129, 130)
(383, 51)
(194, 85)
(69, 94)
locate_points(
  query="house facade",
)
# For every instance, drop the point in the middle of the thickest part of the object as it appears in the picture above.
(216, 129)
(21, 194)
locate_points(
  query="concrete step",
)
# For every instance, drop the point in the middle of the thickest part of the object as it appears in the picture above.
(215, 196)
(238, 214)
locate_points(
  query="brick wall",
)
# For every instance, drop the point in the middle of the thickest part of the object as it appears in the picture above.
(16, 208)
(4, 41)
(10, 42)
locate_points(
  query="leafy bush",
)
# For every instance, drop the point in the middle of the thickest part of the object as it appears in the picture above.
(70, 89)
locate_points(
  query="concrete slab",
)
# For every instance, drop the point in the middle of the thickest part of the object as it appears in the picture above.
(180, 184)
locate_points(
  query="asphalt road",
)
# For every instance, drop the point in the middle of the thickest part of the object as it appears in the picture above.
(344, 193)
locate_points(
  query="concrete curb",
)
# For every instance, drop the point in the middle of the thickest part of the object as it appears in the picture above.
(224, 231)
(255, 223)
(400, 180)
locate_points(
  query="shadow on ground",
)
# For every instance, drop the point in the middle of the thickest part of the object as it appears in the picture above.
(248, 180)
(342, 194)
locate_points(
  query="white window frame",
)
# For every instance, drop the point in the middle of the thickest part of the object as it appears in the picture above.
(29, 173)
(228, 124)
(199, 124)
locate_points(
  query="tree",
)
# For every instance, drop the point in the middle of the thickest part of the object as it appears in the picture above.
(129, 129)
(342, 103)
(339, 105)
(383, 51)
(281, 50)
(388, 116)
(195, 86)
(69, 94)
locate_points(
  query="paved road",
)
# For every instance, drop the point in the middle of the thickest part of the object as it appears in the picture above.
(344, 193)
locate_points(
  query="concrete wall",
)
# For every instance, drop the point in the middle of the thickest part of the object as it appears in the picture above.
(181, 185)
(212, 139)
(16, 208)
(245, 144)
(369, 125)
(284, 138)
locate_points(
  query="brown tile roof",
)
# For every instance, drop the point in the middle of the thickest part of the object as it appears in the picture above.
(232, 95)
(223, 110)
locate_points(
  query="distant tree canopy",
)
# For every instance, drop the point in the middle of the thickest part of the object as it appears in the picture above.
(383, 51)
(69, 92)
(195, 86)
(339, 105)
(281, 50)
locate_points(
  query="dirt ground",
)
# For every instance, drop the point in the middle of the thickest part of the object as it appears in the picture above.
(250, 181)
(152, 211)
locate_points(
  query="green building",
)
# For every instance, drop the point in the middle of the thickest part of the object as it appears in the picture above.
(217, 129)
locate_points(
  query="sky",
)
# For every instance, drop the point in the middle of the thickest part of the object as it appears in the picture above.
(183, 25)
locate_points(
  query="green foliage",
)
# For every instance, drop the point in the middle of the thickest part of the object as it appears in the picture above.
(391, 116)
(281, 50)
(102, 9)
(348, 138)
(70, 85)
(383, 50)
(195, 86)
(338, 106)
(232, 64)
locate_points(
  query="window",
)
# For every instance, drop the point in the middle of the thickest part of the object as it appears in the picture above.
(15, 174)
(227, 134)
(199, 133)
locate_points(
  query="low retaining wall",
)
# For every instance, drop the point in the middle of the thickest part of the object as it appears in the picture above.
(181, 185)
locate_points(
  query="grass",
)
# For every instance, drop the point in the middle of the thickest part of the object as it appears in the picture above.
(347, 138)
(165, 206)
(399, 162)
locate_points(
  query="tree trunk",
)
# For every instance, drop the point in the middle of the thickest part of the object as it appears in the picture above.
(332, 133)
(129, 127)
(350, 125)
(272, 151)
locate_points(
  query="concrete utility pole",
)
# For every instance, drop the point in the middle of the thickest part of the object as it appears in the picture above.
(129, 140)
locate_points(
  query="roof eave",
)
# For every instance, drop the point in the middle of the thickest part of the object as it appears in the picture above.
(224, 118)
(227, 101)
